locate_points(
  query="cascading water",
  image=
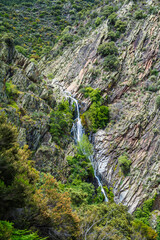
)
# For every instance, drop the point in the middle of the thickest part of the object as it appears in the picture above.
(77, 128)
(78, 132)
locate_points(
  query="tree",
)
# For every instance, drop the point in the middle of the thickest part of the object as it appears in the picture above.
(55, 216)
(108, 49)
(61, 123)
(7, 231)
(124, 164)
(17, 175)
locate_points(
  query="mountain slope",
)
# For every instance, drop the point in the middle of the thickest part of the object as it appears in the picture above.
(133, 93)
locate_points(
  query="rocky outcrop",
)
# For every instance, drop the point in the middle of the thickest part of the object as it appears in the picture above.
(28, 103)
(132, 92)
(23, 104)
(134, 128)
(132, 96)
(50, 158)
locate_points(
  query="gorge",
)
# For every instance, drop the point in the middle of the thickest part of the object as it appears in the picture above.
(73, 70)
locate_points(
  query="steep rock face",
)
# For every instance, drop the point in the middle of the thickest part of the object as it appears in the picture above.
(132, 90)
(28, 102)
(69, 69)
(135, 121)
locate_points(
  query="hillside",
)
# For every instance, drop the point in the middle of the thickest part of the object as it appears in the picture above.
(105, 55)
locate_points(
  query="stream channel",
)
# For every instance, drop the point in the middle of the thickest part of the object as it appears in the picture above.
(78, 132)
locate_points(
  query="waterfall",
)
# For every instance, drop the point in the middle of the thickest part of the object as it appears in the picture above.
(78, 132)
(77, 128)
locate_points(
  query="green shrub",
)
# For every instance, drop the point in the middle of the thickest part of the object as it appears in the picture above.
(143, 214)
(94, 94)
(120, 26)
(109, 192)
(108, 48)
(11, 90)
(50, 76)
(158, 228)
(124, 163)
(112, 18)
(113, 35)
(107, 11)
(111, 63)
(98, 21)
(32, 87)
(81, 173)
(96, 117)
(153, 10)
(139, 14)
(61, 120)
(94, 73)
(67, 38)
(144, 230)
(7, 231)
(94, 14)
(85, 147)
(154, 72)
(80, 168)
(153, 88)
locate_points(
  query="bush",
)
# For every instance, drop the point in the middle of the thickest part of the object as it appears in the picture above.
(143, 214)
(154, 72)
(61, 120)
(11, 90)
(18, 180)
(96, 117)
(50, 76)
(120, 26)
(21, 49)
(113, 35)
(7, 231)
(94, 73)
(124, 163)
(98, 21)
(85, 147)
(144, 230)
(94, 94)
(80, 168)
(107, 11)
(111, 63)
(67, 38)
(139, 14)
(112, 18)
(108, 49)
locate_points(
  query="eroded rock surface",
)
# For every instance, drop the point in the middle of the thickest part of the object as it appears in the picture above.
(135, 119)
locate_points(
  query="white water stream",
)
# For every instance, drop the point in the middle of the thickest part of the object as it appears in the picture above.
(78, 132)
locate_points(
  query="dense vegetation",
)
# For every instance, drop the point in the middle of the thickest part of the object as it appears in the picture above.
(98, 115)
(34, 205)
(46, 207)
(38, 25)
(39, 197)
(61, 122)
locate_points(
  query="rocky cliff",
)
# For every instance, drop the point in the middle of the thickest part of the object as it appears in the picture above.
(27, 99)
(132, 90)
